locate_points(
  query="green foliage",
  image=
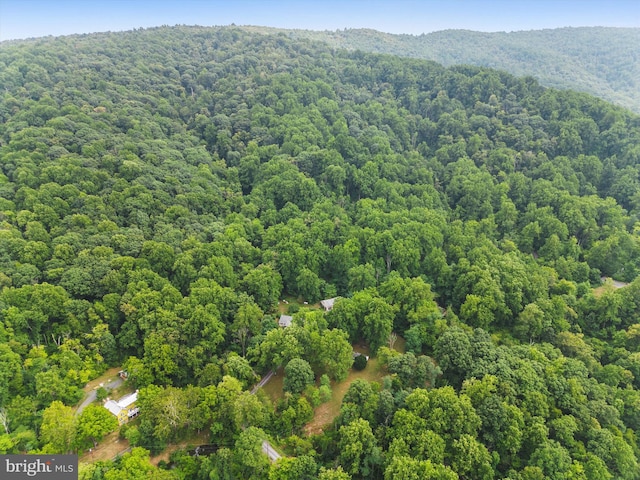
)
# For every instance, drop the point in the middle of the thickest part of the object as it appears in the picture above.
(336, 354)
(365, 315)
(337, 474)
(325, 393)
(58, 430)
(407, 468)
(132, 434)
(238, 367)
(303, 467)
(414, 371)
(249, 461)
(360, 362)
(359, 453)
(297, 375)
(161, 190)
(135, 464)
(548, 55)
(93, 424)
(447, 414)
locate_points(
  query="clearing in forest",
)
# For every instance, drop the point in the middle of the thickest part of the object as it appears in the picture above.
(325, 413)
(607, 285)
(110, 446)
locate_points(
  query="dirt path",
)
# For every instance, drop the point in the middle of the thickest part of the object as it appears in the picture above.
(107, 449)
(199, 439)
(109, 375)
(325, 413)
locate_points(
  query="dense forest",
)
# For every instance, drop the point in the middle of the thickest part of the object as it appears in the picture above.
(162, 190)
(601, 61)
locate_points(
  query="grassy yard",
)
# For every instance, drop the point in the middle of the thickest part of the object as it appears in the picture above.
(283, 305)
(400, 345)
(106, 377)
(326, 412)
(273, 388)
(112, 445)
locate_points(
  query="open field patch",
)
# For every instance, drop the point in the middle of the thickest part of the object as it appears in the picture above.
(106, 377)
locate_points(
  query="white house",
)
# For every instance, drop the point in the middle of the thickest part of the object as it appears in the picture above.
(124, 409)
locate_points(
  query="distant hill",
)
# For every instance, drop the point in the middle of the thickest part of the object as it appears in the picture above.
(602, 61)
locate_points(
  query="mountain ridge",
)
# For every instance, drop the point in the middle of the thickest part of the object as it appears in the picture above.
(564, 63)
(601, 61)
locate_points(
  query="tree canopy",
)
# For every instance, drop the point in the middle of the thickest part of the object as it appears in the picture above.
(162, 190)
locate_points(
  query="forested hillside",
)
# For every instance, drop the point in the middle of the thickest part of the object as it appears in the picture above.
(602, 61)
(161, 190)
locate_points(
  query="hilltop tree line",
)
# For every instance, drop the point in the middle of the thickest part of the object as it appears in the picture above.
(162, 189)
(601, 61)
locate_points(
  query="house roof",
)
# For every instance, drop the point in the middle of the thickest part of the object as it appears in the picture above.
(285, 320)
(328, 303)
(113, 407)
(127, 400)
(116, 407)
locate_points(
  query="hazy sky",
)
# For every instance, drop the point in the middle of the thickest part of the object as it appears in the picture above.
(36, 18)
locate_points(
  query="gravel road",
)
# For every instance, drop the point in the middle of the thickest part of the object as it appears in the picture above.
(91, 397)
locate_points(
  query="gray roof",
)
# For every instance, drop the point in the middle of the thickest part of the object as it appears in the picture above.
(113, 407)
(285, 320)
(116, 407)
(328, 303)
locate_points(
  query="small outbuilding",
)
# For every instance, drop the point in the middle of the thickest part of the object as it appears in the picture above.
(328, 304)
(285, 321)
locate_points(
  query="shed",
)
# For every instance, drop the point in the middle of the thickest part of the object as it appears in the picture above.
(328, 304)
(285, 320)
